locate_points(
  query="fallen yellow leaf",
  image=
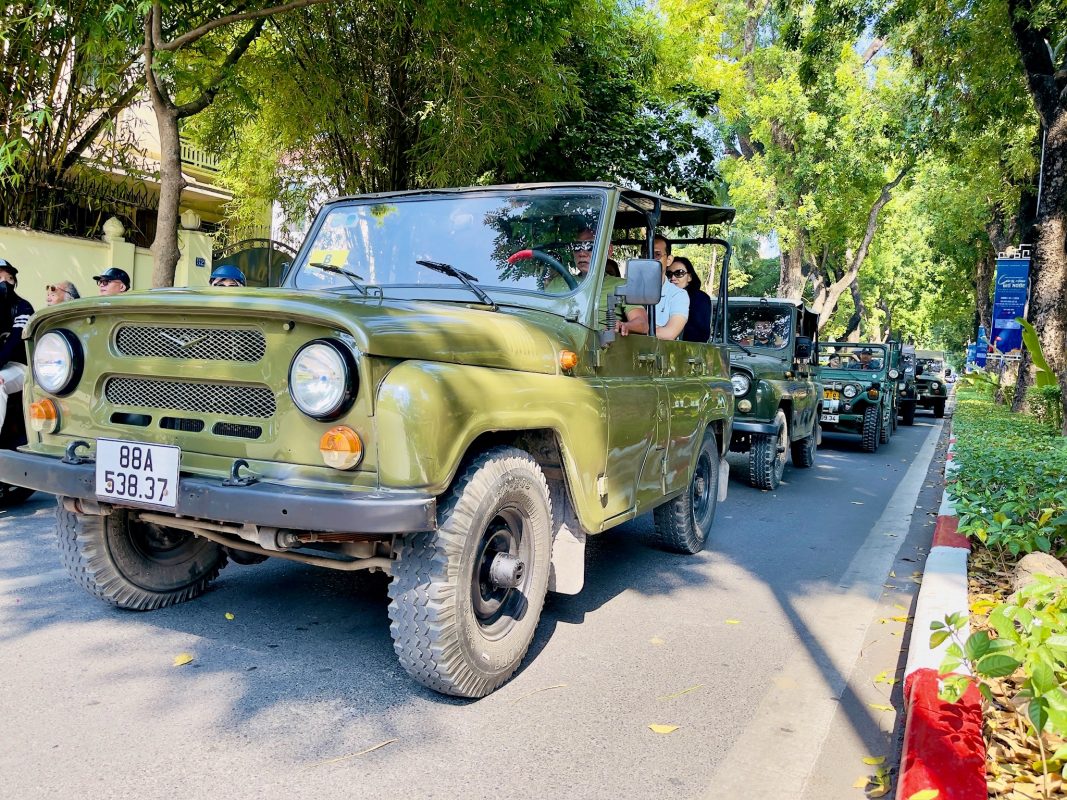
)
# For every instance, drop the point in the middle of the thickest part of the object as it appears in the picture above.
(733, 622)
(874, 760)
(182, 659)
(879, 791)
(663, 728)
(229, 615)
(898, 605)
(861, 782)
(925, 794)
(901, 618)
(656, 640)
(892, 574)
(880, 707)
(679, 694)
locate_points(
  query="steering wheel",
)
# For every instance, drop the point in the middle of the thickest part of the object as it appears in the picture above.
(545, 258)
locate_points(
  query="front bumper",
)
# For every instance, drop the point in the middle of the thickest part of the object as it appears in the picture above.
(270, 504)
(749, 427)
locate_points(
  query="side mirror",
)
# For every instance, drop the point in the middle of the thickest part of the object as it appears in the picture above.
(803, 348)
(893, 374)
(644, 282)
(918, 369)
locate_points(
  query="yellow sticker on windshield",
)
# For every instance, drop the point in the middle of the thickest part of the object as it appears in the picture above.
(333, 258)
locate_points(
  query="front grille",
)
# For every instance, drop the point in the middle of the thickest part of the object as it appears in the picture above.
(202, 344)
(238, 400)
(180, 424)
(233, 429)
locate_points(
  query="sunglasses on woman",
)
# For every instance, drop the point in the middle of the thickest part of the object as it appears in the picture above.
(677, 273)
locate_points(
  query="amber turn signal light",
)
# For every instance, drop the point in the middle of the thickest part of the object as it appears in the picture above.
(872, 393)
(341, 447)
(44, 416)
(568, 359)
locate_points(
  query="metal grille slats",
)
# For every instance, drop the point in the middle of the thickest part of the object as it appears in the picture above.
(238, 400)
(203, 344)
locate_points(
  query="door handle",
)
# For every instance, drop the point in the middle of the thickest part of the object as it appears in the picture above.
(646, 358)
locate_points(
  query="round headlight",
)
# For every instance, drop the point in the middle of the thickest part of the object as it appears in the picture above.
(741, 384)
(319, 379)
(935, 385)
(57, 362)
(893, 374)
(850, 390)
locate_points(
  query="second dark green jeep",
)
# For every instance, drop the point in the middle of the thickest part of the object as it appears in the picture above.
(776, 396)
(859, 390)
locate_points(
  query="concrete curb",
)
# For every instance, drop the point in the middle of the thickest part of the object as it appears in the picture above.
(943, 745)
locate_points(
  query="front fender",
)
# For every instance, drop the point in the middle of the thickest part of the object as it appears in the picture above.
(429, 413)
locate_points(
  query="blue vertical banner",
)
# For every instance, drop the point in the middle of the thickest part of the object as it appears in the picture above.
(981, 347)
(972, 353)
(1009, 302)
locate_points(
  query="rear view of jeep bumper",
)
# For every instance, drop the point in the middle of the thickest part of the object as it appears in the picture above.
(261, 503)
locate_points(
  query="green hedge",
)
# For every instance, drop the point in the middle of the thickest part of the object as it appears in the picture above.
(1011, 493)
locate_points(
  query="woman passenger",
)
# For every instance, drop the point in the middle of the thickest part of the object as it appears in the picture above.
(698, 326)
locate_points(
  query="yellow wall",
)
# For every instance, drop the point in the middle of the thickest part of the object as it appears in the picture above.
(44, 258)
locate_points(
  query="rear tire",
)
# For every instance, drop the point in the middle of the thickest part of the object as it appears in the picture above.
(803, 451)
(684, 523)
(887, 426)
(939, 408)
(456, 628)
(872, 428)
(132, 564)
(766, 459)
(907, 412)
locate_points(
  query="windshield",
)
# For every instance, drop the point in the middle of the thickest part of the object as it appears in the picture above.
(851, 356)
(931, 366)
(759, 326)
(511, 240)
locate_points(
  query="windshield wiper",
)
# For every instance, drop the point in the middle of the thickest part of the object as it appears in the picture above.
(738, 344)
(353, 277)
(467, 279)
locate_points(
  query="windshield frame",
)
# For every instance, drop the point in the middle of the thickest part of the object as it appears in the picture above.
(877, 347)
(577, 304)
(784, 351)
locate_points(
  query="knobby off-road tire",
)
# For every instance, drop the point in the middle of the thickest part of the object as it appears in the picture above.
(11, 496)
(684, 523)
(939, 408)
(803, 450)
(886, 429)
(907, 412)
(454, 629)
(132, 564)
(766, 458)
(872, 428)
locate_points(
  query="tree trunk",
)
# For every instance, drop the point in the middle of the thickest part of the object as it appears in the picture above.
(852, 329)
(791, 277)
(171, 183)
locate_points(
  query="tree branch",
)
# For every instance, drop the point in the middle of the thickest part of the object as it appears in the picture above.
(122, 102)
(207, 27)
(872, 50)
(208, 95)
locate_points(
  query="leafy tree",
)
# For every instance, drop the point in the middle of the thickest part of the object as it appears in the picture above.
(67, 70)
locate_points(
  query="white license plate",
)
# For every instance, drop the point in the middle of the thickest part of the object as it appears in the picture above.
(829, 418)
(138, 473)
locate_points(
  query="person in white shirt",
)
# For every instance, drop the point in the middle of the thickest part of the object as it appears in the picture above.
(672, 310)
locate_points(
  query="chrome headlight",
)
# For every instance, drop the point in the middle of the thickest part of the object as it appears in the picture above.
(320, 379)
(902, 386)
(850, 390)
(741, 384)
(57, 362)
(935, 385)
(893, 374)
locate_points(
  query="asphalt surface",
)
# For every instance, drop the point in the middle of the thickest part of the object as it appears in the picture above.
(762, 650)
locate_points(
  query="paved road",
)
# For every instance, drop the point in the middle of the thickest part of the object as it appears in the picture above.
(753, 649)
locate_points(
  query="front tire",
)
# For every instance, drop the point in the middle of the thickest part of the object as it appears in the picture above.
(907, 412)
(457, 627)
(11, 496)
(939, 408)
(872, 428)
(887, 426)
(133, 564)
(766, 459)
(684, 523)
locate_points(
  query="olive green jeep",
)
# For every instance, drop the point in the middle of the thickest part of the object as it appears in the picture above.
(437, 391)
(776, 395)
(859, 390)
(930, 380)
(907, 387)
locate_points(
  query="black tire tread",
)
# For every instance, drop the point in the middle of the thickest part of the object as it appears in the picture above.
(872, 418)
(83, 549)
(761, 462)
(803, 450)
(907, 412)
(674, 520)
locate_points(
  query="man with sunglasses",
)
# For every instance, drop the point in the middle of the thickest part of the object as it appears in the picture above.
(56, 293)
(113, 281)
(15, 312)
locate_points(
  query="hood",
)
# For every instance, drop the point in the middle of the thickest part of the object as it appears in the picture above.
(518, 339)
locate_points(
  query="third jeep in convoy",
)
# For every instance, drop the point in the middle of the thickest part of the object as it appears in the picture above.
(930, 380)
(907, 386)
(776, 394)
(859, 390)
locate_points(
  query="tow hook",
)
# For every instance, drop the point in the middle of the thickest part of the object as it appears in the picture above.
(70, 456)
(235, 478)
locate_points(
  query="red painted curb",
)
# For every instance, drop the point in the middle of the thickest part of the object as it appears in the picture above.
(945, 534)
(943, 745)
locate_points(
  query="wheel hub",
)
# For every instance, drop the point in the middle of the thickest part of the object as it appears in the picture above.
(506, 571)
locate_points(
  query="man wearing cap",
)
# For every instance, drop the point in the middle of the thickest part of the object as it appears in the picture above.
(866, 355)
(112, 281)
(14, 314)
